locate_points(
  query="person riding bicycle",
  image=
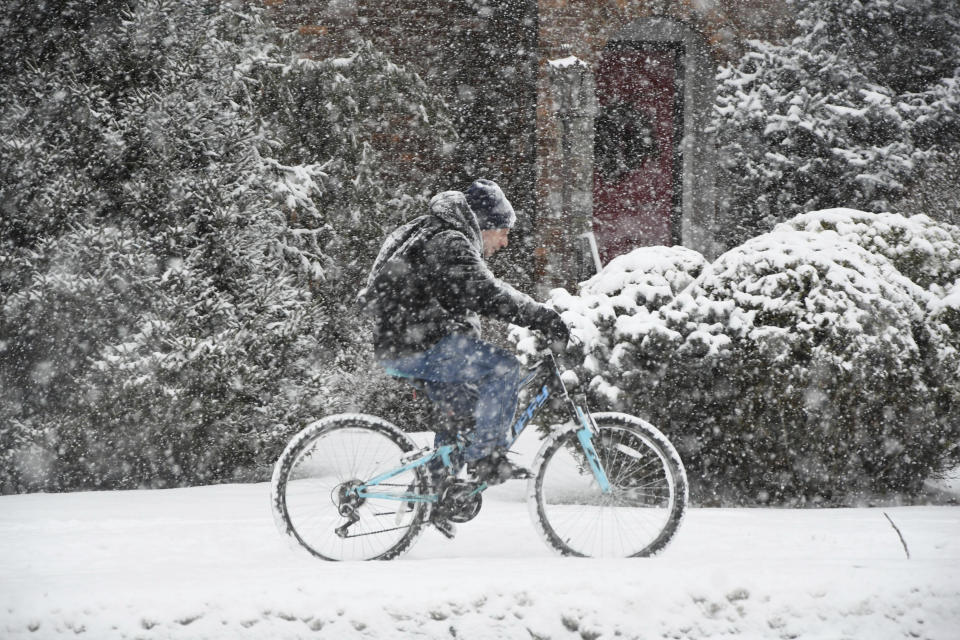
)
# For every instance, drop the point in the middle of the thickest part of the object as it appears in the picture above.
(425, 291)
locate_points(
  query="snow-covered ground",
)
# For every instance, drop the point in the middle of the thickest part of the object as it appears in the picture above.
(207, 562)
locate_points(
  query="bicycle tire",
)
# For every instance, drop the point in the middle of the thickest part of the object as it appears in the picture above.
(640, 515)
(327, 456)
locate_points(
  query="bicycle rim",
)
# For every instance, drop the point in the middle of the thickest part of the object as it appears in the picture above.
(640, 513)
(314, 476)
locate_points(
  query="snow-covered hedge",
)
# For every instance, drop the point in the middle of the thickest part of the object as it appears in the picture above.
(814, 361)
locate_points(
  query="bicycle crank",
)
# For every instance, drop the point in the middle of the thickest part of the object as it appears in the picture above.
(460, 501)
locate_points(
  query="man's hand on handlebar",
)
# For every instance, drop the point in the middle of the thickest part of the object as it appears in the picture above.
(555, 331)
(558, 347)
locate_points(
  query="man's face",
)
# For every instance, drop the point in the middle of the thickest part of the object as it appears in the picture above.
(494, 240)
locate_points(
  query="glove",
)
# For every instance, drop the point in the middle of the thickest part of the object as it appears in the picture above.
(554, 328)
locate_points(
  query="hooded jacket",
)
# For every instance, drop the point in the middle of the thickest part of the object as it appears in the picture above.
(430, 280)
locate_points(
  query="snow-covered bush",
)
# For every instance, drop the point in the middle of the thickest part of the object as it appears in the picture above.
(923, 250)
(800, 365)
(861, 109)
(181, 237)
(622, 299)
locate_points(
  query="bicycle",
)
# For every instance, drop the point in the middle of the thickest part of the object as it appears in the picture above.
(355, 487)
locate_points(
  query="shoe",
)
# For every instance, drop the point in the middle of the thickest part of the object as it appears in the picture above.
(496, 469)
(510, 471)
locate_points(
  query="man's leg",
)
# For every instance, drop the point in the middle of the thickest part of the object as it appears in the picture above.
(495, 374)
(491, 373)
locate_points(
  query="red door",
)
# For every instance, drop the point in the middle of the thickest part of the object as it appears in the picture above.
(635, 190)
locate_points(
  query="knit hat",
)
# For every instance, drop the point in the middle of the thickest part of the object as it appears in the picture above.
(491, 207)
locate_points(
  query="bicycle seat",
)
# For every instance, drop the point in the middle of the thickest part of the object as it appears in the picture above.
(453, 402)
(417, 383)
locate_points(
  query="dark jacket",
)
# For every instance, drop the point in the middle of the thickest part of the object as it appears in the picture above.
(430, 280)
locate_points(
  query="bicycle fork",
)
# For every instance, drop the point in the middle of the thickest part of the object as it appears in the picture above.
(585, 435)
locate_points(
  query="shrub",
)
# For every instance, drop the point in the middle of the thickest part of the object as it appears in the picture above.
(798, 366)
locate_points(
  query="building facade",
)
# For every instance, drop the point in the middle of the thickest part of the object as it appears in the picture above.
(593, 114)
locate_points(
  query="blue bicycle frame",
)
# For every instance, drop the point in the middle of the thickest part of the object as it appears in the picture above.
(550, 383)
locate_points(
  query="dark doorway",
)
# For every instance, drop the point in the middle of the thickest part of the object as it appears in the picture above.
(637, 170)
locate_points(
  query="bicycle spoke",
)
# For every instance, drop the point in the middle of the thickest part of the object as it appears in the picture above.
(319, 483)
(630, 519)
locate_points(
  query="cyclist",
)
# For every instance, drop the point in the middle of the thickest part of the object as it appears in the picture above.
(425, 291)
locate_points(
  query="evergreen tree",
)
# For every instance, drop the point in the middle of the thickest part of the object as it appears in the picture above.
(188, 209)
(861, 109)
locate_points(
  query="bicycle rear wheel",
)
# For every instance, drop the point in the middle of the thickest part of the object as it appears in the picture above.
(640, 513)
(311, 490)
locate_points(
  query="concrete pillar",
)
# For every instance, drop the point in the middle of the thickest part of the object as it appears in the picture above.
(567, 208)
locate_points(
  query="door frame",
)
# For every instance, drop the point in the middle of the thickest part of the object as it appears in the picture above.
(695, 154)
(679, 56)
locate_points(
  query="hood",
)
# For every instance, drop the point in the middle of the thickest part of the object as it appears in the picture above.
(452, 208)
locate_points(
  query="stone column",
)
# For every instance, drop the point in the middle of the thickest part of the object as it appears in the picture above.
(567, 208)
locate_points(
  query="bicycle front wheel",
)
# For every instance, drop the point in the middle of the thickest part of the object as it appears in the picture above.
(312, 497)
(640, 512)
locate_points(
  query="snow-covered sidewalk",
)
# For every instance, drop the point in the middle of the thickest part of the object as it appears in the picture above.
(208, 563)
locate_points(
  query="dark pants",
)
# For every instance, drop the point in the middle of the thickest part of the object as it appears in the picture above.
(484, 375)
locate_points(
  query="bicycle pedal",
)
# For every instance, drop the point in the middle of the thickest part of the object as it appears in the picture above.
(447, 528)
(521, 474)
(499, 471)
